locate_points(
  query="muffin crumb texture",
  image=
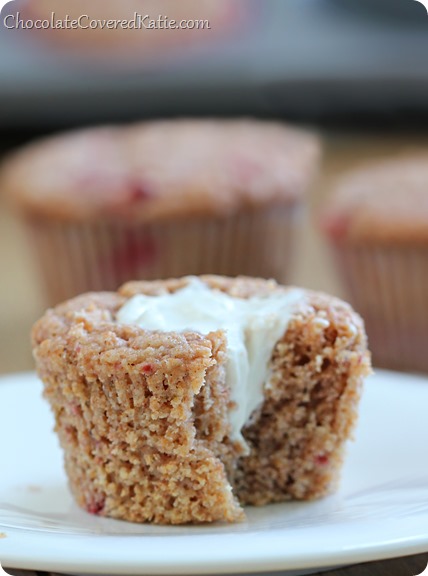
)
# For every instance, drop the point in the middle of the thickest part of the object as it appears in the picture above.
(143, 416)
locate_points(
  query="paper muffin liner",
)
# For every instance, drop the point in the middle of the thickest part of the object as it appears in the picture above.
(387, 286)
(79, 257)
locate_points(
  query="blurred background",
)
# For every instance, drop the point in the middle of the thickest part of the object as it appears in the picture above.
(355, 71)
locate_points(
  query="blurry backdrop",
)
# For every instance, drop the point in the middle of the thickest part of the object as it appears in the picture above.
(356, 71)
(300, 58)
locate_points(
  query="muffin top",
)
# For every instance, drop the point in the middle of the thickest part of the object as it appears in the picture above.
(251, 315)
(129, 42)
(161, 169)
(383, 202)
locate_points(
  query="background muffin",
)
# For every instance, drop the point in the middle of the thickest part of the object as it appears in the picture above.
(161, 199)
(377, 222)
(178, 26)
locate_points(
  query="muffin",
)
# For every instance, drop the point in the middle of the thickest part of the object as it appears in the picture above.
(161, 199)
(181, 401)
(140, 31)
(377, 224)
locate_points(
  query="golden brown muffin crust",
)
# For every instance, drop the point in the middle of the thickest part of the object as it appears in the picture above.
(161, 170)
(383, 202)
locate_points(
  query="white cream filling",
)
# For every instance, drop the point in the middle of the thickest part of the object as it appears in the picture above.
(253, 327)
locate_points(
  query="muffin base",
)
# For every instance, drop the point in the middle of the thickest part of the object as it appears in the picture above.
(75, 258)
(386, 285)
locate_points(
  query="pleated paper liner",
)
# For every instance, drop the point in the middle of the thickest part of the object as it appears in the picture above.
(79, 257)
(388, 286)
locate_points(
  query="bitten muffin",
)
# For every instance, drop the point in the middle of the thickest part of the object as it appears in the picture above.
(377, 223)
(190, 425)
(161, 199)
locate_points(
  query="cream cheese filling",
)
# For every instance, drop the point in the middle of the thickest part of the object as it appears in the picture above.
(253, 326)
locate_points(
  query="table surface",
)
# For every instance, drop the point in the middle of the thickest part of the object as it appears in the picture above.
(21, 301)
(409, 566)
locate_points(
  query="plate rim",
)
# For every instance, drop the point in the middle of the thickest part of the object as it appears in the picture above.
(270, 557)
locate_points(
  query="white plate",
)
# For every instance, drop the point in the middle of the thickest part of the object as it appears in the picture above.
(380, 511)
